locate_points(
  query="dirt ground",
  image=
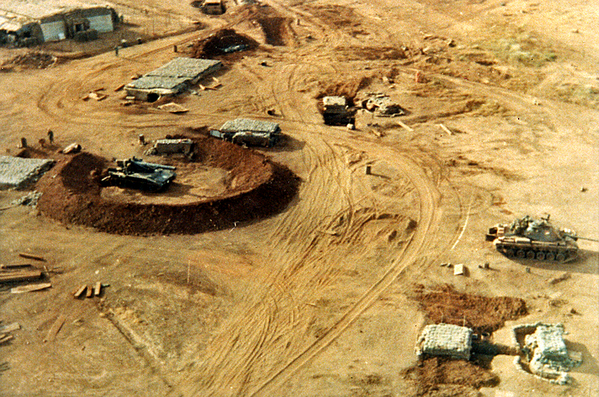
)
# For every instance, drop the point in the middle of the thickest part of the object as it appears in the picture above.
(315, 296)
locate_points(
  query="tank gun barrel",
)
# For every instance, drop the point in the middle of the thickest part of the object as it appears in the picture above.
(588, 239)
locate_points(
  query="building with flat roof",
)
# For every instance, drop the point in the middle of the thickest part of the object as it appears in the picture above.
(248, 125)
(30, 22)
(172, 78)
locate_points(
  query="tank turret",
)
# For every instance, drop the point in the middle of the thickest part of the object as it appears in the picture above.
(535, 239)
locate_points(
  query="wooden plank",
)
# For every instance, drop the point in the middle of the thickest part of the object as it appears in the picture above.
(6, 338)
(55, 328)
(444, 128)
(31, 256)
(16, 266)
(405, 126)
(20, 276)
(10, 327)
(90, 291)
(80, 291)
(30, 288)
(98, 289)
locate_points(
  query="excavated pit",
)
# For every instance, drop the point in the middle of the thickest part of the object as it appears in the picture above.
(224, 185)
(220, 43)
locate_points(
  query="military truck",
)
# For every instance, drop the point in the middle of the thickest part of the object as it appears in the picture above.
(135, 173)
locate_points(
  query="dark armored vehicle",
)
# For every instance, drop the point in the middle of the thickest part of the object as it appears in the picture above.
(137, 174)
(336, 110)
(534, 239)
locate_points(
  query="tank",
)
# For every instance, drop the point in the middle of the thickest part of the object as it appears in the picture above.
(535, 239)
(137, 174)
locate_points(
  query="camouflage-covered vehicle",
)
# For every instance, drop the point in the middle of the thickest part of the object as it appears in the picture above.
(534, 239)
(137, 174)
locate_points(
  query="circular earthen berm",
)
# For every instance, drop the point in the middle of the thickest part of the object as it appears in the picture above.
(222, 186)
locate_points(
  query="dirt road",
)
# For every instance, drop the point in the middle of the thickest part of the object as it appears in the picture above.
(316, 299)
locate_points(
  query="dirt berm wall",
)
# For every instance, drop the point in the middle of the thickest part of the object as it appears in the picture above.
(258, 188)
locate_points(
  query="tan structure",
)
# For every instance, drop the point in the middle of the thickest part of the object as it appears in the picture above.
(25, 23)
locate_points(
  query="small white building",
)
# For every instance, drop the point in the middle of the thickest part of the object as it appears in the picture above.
(29, 22)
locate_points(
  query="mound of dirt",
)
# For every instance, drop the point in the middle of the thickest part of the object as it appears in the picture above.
(445, 377)
(482, 314)
(276, 28)
(256, 188)
(29, 60)
(223, 42)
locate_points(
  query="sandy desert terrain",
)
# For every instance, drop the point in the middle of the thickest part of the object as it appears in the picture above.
(317, 292)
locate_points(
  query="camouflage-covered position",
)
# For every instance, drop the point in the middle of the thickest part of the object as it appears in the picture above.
(137, 174)
(534, 239)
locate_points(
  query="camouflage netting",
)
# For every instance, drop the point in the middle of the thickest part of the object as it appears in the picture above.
(445, 340)
(548, 353)
(16, 172)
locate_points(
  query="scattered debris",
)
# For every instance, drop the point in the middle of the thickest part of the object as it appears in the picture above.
(30, 288)
(55, 328)
(16, 266)
(405, 126)
(444, 128)
(5, 338)
(87, 291)
(31, 256)
(98, 289)
(73, 148)
(24, 275)
(96, 96)
(10, 327)
(80, 291)
(562, 277)
(381, 105)
(29, 200)
(173, 107)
